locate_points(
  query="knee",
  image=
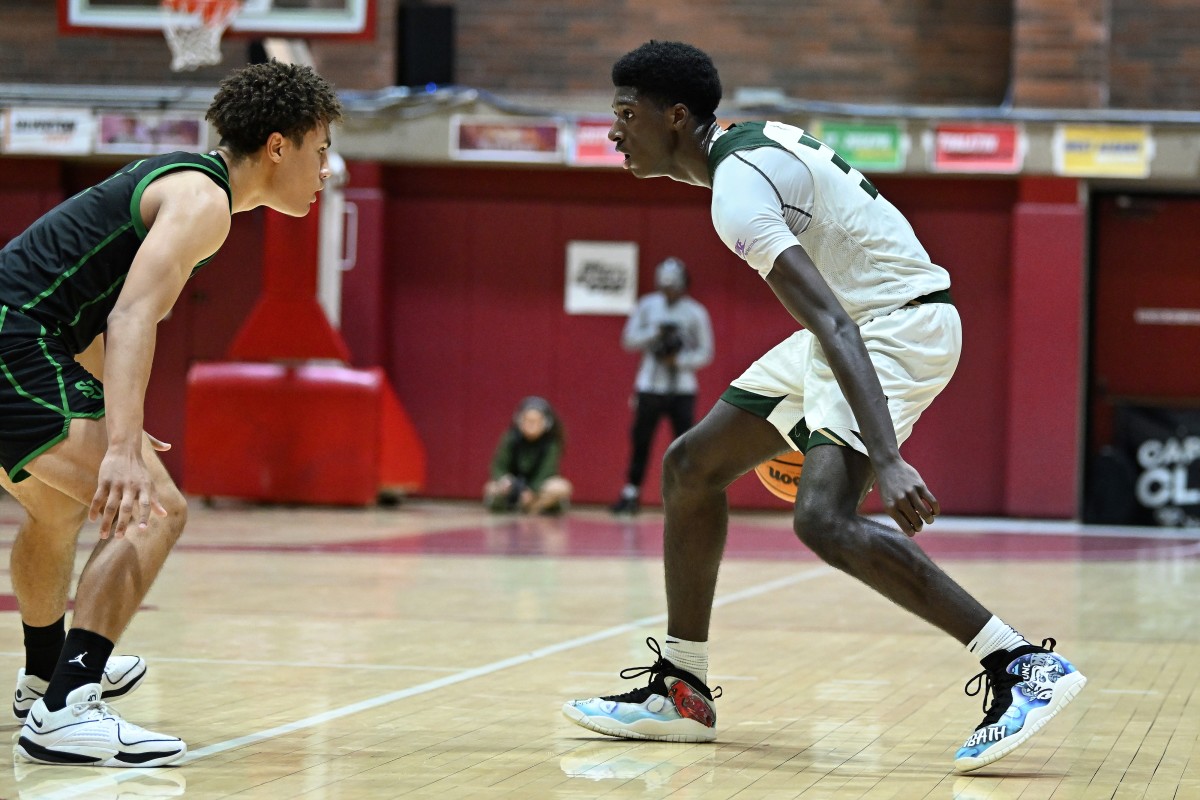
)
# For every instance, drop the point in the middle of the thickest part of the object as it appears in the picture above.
(176, 507)
(65, 520)
(685, 467)
(557, 487)
(823, 530)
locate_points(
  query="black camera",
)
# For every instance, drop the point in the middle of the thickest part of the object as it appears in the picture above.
(518, 487)
(668, 342)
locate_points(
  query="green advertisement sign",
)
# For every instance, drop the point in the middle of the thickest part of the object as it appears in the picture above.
(867, 146)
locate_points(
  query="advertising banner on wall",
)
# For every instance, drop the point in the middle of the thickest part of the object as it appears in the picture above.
(1103, 151)
(980, 147)
(867, 146)
(590, 146)
(601, 277)
(140, 133)
(46, 131)
(523, 140)
(1151, 475)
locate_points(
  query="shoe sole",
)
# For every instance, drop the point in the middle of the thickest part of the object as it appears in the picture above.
(123, 687)
(34, 753)
(700, 733)
(1064, 692)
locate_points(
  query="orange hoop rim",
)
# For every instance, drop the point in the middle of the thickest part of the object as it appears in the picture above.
(211, 12)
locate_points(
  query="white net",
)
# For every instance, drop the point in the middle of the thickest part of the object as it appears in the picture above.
(193, 29)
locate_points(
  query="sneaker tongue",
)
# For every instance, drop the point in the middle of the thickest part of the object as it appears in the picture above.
(999, 661)
(88, 693)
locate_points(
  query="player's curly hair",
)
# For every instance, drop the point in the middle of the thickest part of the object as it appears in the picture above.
(669, 73)
(255, 101)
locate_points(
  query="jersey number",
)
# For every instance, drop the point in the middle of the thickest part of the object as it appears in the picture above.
(841, 164)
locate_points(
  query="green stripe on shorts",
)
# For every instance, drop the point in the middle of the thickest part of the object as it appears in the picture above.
(826, 436)
(757, 404)
(761, 406)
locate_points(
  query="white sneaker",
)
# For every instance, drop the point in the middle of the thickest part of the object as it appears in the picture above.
(122, 674)
(87, 732)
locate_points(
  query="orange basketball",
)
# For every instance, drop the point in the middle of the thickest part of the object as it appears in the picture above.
(781, 474)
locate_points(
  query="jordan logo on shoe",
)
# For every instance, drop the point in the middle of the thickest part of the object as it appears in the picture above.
(79, 660)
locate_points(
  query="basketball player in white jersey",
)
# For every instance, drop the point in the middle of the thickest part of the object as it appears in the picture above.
(881, 339)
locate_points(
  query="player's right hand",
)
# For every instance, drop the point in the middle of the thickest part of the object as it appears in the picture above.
(125, 494)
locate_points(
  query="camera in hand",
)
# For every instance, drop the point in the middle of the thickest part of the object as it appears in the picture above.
(669, 341)
(513, 500)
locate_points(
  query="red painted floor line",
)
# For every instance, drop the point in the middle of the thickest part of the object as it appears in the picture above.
(576, 537)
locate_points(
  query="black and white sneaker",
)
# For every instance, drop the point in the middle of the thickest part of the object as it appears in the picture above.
(122, 674)
(87, 732)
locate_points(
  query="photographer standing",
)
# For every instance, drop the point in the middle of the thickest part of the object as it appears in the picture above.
(674, 334)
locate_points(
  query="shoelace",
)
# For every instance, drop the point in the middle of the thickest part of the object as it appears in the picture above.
(985, 683)
(96, 709)
(656, 671)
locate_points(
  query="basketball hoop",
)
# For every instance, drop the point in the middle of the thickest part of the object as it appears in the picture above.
(193, 29)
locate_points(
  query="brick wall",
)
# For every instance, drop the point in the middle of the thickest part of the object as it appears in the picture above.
(1089, 54)
(1155, 57)
(854, 50)
(1060, 53)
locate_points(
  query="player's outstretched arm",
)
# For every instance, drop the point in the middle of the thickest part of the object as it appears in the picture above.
(805, 294)
(188, 218)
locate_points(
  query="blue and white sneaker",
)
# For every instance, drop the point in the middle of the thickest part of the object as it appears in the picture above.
(1028, 685)
(675, 707)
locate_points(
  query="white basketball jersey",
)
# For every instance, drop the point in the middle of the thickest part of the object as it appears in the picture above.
(764, 202)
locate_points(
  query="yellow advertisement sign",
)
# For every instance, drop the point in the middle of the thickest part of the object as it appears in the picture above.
(1103, 151)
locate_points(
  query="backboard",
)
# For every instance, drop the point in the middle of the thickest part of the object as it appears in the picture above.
(283, 18)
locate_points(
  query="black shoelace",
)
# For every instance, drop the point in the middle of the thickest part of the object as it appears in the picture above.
(997, 683)
(657, 672)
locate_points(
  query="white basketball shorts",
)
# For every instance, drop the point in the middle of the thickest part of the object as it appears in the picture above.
(915, 350)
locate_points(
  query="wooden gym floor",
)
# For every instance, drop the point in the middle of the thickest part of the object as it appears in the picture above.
(425, 651)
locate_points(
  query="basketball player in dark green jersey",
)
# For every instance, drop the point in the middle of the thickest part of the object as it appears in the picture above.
(81, 294)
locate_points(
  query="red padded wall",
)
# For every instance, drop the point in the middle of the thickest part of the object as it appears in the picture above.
(474, 287)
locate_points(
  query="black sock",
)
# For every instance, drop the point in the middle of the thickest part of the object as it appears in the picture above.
(42, 648)
(82, 661)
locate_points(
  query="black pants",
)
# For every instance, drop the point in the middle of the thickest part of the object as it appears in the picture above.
(679, 408)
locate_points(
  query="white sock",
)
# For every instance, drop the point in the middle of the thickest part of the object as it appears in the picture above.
(995, 636)
(630, 492)
(692, 656)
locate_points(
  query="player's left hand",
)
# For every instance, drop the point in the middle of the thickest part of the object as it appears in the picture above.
(906, 498)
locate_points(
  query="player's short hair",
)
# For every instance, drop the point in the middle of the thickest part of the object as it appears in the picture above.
(670, 73)
(260, 99)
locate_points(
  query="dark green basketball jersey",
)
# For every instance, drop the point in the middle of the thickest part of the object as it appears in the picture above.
(67, 269)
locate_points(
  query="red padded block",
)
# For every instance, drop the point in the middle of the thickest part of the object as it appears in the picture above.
(296, 434)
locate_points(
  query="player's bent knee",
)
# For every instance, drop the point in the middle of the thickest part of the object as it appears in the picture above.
(176, 507)
(821, 529)
(67, 520)
(689, 467)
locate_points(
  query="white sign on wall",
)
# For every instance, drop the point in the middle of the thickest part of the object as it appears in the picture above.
(601, 277)
(47, 131)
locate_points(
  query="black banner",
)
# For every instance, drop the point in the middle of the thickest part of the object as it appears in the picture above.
(1151, 473)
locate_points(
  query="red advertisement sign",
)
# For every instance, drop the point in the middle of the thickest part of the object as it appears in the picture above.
(505, 139)
(967, 147)
(592, 147)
